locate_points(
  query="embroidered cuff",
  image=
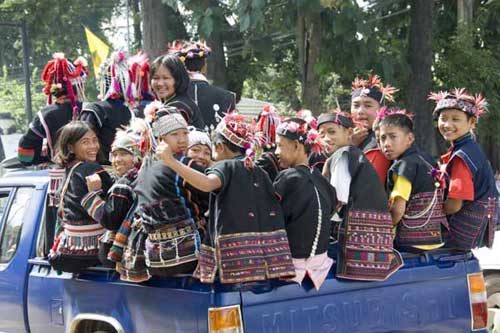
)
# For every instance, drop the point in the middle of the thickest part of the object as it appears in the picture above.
(94, 205)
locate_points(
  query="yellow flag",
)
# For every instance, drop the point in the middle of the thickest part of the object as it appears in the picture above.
(98, 49)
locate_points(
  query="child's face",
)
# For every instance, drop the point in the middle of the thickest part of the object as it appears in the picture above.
(453, 124)
(394, 141)
(201, 154)
(86, 148)
(335, 136)
(286, 151)
(162, 83)
(364, 110)
(177, 140)
(122, 161)
(220, 152)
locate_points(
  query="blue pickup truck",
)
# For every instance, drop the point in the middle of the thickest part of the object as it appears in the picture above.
(441, 291)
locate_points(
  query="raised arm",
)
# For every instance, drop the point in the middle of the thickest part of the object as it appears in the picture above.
(205, 183)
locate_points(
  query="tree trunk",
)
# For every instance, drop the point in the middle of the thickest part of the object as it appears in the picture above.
(216, 63)
(465, 9)
(309, 45)
(161, 24)
(136, 19)
(420, 81)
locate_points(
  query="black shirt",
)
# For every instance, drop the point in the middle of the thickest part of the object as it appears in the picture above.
(189, 110)
(77, 190)
(299, 201)
(214, 102)
(106, 117)
(245, 203)
(45, 125)
(161, 189)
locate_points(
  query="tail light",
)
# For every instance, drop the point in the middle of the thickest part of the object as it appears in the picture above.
(478, 301)
(225, 320)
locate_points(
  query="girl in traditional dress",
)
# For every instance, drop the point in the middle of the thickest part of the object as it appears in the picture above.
(76, 244)
(127, 152)
(164, 237)
(471, 197)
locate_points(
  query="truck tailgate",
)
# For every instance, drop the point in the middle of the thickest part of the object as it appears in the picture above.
(418, 298)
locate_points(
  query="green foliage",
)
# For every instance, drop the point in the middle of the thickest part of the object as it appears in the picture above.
(52, 27)
(276, 83)
(12, 98)
(477, 69)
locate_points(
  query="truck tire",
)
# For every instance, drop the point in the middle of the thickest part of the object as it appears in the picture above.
(492, 282)
(494, 320)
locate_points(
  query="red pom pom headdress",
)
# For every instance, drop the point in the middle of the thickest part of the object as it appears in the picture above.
(267, 122)
(385, 111)
(459, 99)
(374, 88)
(60, 75)
(236, 130)
(114, 78)
(139, 77)
(297, 129)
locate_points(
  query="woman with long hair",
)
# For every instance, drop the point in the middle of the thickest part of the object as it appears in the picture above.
(170, 84)
(77, 228)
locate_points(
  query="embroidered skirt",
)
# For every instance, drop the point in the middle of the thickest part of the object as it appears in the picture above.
(173, 244)
(245, 257)
(132, 266)
(76, 247)
(105, 244)
(80, 238)
(474, 225)
(366, 247)
(162, 240)
(423, 221)
(55, 181)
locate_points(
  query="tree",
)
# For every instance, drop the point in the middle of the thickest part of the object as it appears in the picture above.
(162, 24)
(309, 40)
(12, 98)
(52, 27)
(420, 80)
(136, 19)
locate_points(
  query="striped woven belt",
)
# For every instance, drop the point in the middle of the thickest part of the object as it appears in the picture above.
(94, 229)
(160, 235)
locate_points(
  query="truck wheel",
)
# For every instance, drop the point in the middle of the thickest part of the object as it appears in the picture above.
(492, 282)
(494, 320)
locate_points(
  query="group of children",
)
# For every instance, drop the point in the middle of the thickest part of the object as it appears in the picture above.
(270, 198)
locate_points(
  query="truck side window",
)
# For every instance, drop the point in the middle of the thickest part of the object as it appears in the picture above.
(13, 222)
(4, 199)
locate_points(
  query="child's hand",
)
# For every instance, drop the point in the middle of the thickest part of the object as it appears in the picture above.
(93, 182)
(358, 135)
(164, 153)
